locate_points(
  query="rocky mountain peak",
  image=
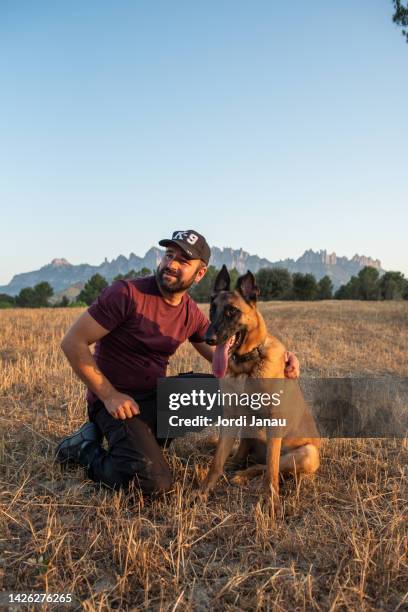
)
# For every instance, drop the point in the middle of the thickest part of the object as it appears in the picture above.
(59, 262)
(363, 260)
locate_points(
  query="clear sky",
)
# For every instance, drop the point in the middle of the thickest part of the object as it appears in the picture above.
(272, 126)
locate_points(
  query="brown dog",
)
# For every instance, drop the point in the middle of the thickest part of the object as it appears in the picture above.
(244, 349)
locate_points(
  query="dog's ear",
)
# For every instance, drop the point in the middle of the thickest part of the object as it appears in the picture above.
(247, 287)
(223, 281)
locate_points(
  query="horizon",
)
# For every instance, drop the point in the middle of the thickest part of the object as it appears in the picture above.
(256, 124)
(294, 258)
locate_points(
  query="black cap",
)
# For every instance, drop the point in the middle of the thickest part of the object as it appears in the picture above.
(193, 244)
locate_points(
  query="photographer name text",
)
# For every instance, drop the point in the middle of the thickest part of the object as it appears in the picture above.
(240, 421)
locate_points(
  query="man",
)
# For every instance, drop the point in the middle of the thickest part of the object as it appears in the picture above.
(137, 325)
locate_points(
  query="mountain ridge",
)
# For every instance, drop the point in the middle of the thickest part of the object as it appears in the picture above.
(61, 274)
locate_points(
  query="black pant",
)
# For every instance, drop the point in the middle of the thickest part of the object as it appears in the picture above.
(134, 453)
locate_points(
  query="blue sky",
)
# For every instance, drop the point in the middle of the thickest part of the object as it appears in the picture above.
(270, 126)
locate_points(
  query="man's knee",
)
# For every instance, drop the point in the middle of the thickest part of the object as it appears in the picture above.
(157, 483)
(151, 474)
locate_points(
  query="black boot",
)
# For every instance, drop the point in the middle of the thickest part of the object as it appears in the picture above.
(75, 449)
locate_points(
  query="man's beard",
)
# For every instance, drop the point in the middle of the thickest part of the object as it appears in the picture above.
(173, 284)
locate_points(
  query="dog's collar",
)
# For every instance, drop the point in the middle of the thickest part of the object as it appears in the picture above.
(255, 354)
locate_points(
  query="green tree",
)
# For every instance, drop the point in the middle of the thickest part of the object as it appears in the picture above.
(92, 289)
(274, 283)
(133, 274)
(145, 272)
(341, 293)
(64, 303)
(35, 297)
(325, 288)
(25, 299)
(304, 286)
(202, 291)
(364, 286)
(7, 301)
(349, 291)
(43, 291)
(393, 286)
(400, 16)
(234, 275)
(368, 283)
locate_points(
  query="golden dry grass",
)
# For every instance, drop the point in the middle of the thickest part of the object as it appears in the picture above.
(340, 545)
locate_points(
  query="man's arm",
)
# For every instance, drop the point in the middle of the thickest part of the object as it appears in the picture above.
(75, 345)
(205, 350)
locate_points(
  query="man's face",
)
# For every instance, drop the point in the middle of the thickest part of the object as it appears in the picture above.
(176, 273)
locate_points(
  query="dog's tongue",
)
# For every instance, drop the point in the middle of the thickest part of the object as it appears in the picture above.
(220, 358)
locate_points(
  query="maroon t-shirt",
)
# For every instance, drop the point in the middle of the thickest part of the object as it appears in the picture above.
(144, 332)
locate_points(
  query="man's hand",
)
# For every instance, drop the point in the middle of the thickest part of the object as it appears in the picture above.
(121, 406)
(292, 366)
(205, 350)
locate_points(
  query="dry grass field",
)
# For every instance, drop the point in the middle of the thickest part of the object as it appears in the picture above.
(341, 543)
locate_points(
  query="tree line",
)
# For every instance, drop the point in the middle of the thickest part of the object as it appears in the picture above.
(39, 296)
(280, 284)
(273, 283)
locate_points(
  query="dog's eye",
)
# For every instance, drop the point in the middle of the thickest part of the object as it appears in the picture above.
(230, 311)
